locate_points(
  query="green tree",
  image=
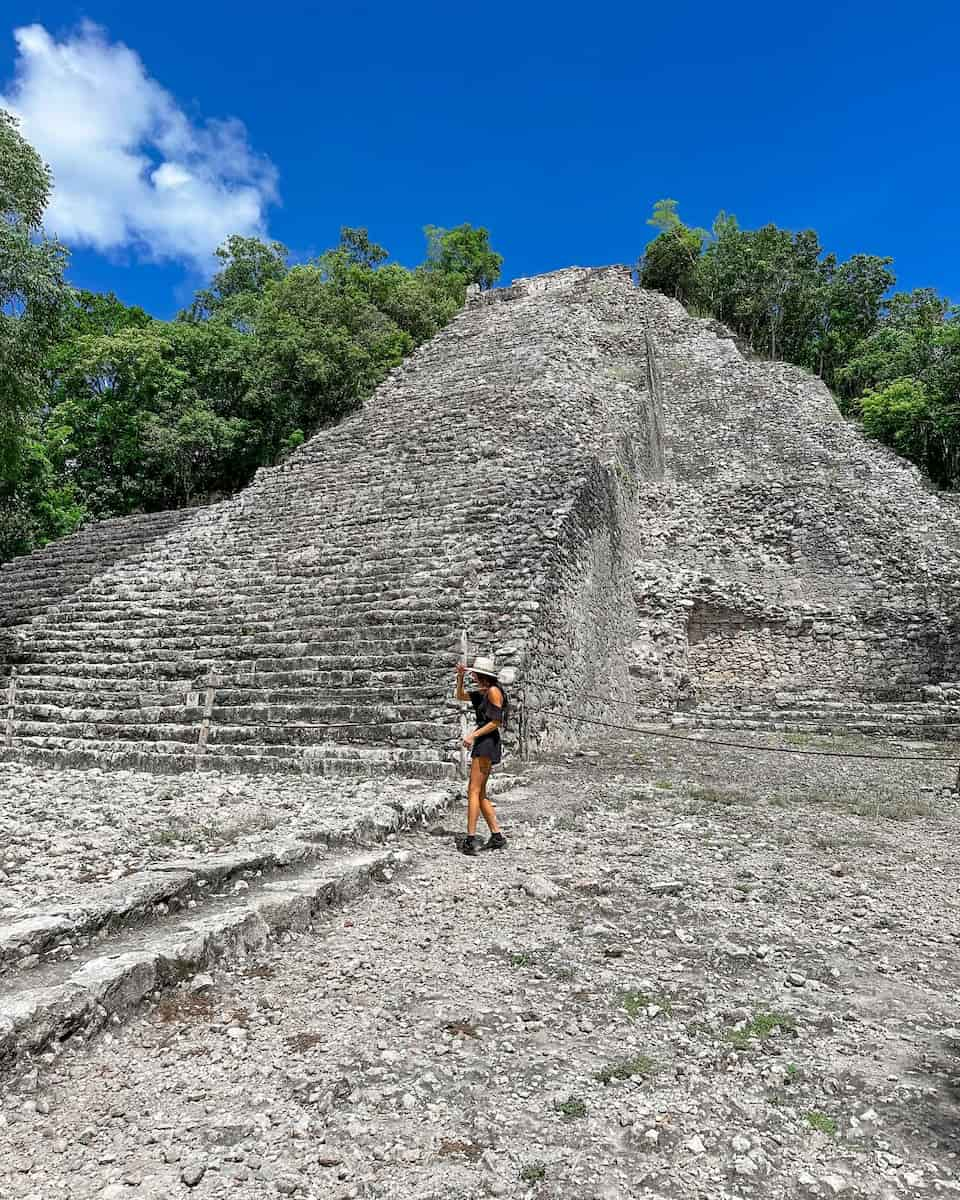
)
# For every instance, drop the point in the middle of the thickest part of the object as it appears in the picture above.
(33, 295)
(99, 312)
(330, 331)
(359, 249)
(852, 308)
(465, 252)
(323, 344)
(249, 266)
(906, 417)
(32, 288)
(906, 342)
(153, 417)
(768, 285)
(670, 262)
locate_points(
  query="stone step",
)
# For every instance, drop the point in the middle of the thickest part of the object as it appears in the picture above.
(133, 698)
(364, 727)
(310, 533)
(319, 598)
(853, 727)
(63, 647)
(70, 999)
(189, 664)
(36, 936)
(375, 607)
(322, 591)
(920, 714)
(247, 712)
(282, 628)
(328, 759)
(33, 679)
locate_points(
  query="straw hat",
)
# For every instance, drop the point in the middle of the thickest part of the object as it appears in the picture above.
(487, 666)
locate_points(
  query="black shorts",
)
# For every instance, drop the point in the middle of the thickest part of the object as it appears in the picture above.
(488, 746)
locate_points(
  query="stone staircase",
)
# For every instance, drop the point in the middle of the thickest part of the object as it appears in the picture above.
(301, 675)
(35, 582)
(311, 623)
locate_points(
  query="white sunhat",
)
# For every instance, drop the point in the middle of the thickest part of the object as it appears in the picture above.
(485, 666)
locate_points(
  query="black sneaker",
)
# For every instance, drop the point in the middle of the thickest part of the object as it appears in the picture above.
(496, 841)
(469, 845)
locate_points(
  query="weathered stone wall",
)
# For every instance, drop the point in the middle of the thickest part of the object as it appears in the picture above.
(783, 552)
(588, 614)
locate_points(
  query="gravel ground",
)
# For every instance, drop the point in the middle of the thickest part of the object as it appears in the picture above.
(61, 831)
(694, 973)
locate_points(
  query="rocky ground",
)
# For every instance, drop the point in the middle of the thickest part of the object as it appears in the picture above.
(695, 973)
(63, 830)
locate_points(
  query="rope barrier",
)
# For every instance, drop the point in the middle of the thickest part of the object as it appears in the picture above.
(677, 737)
(788, 720)
(325, 725)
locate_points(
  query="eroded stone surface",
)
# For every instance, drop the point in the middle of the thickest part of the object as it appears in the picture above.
(64, 831)
(791, 571)
(448, 1033)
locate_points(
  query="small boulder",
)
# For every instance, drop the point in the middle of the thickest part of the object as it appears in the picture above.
(538, 887)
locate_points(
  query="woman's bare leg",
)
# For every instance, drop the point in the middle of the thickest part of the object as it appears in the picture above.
(489, 815)
(474, 792)
(487, 811)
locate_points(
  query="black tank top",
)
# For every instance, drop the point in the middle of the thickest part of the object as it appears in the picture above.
(485, 711)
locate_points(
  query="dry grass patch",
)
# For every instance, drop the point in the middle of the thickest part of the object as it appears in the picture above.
(185, 1006)
(305, 1041)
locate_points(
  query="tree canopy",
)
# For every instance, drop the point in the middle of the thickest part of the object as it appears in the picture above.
(33, 294)
(105, 410)
(891, 358)
(465, 252)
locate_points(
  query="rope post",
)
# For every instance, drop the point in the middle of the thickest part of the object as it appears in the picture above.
(207, 714)
(463, 708)
(11, 705)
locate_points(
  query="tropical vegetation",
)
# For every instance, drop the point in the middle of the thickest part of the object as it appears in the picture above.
(891, 358)
(106, 410)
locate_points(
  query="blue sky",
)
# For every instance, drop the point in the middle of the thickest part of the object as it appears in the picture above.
(555, 126)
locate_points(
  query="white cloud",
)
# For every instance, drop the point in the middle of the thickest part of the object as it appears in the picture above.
(130, 169)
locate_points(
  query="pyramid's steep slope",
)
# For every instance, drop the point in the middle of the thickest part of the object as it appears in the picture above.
(40, 580)
(577, 473)
(489, 485)
(788, 564)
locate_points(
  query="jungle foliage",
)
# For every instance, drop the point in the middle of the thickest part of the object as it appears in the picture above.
(892, 359)
(105, 410)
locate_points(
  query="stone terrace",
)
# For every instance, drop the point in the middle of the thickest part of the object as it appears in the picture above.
(311, 622)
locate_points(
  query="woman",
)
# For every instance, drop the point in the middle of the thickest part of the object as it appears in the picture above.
(491, 706)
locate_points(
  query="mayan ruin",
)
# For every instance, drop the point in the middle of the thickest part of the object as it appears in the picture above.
(240, 954)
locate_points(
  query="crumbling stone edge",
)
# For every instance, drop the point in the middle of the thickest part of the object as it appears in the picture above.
(148, 895)
(109, 988)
